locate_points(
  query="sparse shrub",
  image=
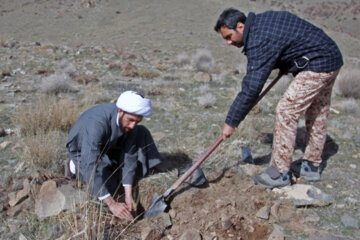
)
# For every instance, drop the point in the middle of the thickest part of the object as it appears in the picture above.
(66, 67)
(204, 89)
(203, 60)
(348, 83)
(281, 86)
(56, 83)
(148, 74)
(208, 100)
(130, 73)
(44, 115)
(183, 59)
(162, 67)
(43, 150)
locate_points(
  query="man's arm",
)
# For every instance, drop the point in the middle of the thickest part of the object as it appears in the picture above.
(262, 57)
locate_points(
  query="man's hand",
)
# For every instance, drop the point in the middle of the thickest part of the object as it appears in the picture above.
(120, 210)
(227, 131)
(129, 199)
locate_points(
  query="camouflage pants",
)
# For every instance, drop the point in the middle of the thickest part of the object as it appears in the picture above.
(309, 92)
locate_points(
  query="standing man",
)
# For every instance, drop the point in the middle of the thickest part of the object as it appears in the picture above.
(282, 40)
(108, 149)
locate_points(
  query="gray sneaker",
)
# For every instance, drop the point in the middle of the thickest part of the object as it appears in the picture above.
(309, 171)
(272, 178)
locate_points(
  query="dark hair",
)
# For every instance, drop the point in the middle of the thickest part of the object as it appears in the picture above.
(229, 18)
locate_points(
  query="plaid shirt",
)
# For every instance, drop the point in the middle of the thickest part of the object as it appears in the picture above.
(285, 41)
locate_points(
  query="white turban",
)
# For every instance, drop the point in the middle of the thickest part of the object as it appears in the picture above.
(132, 102)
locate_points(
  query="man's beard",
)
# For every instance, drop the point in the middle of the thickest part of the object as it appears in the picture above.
(239, 44)
(124, 130)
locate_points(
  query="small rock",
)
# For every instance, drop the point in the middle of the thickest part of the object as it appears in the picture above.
(72, 197)
(353, 166)
(149, 233)
(50, 200)
(15, 198)
(2, 132)
(24, 205)
(305, 195)
(203, 77)
(275, 209)
(4, 145)
(263, 213)
(277, 234)
(226, 222)
(191, 234)
(349, 222)
(312, 218)
(172, 213)
(22, 237)
(250, 169)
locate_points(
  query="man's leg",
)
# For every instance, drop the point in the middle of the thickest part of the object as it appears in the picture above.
(316, 121)
(299, 96)
(304, 90)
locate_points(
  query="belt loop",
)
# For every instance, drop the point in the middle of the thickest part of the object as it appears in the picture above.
(303, 66)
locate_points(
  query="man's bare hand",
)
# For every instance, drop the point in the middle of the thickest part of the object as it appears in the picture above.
(129, 199)
(119, 209)
(227, 131)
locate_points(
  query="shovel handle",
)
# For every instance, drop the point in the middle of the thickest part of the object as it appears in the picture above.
(192, 169)
(196, 165)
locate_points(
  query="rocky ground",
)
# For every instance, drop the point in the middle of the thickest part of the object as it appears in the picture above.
(87, 52)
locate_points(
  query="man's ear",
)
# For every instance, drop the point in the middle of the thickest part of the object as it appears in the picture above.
(240, 27)
(121, 112)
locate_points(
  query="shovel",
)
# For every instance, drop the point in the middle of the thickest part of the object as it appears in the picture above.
(158, 203)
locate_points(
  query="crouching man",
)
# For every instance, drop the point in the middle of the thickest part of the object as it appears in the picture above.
(108, 150)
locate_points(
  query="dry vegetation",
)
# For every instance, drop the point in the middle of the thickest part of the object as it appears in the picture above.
(188, 116)
(348, 83)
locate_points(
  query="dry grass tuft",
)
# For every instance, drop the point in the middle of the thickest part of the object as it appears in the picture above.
(66, 67)
(183, 59)
(46, 114)
(148, 74)
(56, 83)
(208, 100)
(347, 83)
(203, 60)
(43, 150)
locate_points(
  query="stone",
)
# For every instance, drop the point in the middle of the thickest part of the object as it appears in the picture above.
(202, 77)
(305, 195)
(50, 201)
(172, 213)
(2, 132)
(349, 222)
(15, 198)
(250, 169)
(191, 234)
(72, 197)
(24, 205)
(4, 145)
(312, 218)
(263, 213)
(22, 237)
(226, 222)
(151, 233)
(277, 234)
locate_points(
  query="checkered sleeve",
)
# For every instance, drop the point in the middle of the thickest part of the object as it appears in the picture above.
(262, 57)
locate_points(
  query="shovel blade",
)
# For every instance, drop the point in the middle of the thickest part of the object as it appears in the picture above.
(156, 207)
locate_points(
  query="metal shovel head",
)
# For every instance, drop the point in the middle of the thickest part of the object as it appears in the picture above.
(156, 207)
